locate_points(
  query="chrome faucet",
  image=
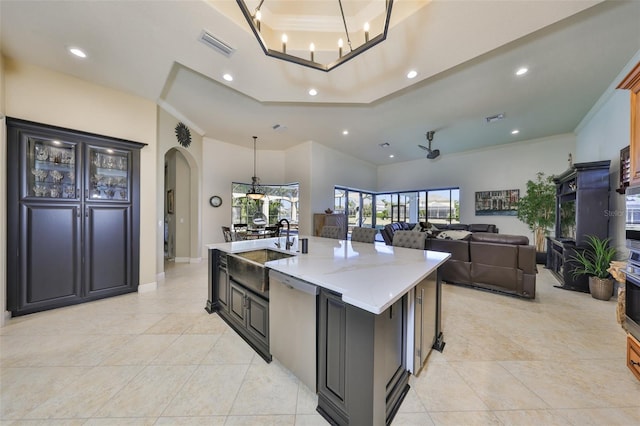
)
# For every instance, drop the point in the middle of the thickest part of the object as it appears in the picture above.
(288, 243)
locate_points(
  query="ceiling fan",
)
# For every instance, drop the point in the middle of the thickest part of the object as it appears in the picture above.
(432, 153)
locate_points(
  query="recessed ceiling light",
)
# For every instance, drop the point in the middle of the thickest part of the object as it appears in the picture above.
(345, 132)
(522, 71)
(56, 142)
(515, 132)
(313, 92)
(391, 155)
(228, 77)
(77, 52)
(412, 74)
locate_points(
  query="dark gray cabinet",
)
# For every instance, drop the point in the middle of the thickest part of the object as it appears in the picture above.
(218, 282)
(362, 375)
(72, 216)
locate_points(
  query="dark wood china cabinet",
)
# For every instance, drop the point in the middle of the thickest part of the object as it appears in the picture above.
(73, 216)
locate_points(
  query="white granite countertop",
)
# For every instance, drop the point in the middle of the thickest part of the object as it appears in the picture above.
(369, 276)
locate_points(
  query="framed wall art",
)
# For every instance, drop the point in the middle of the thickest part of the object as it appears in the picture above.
(170, 202)
(494, 203)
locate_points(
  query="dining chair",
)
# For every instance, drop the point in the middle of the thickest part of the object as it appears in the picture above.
(226, 232)
(273, 231)
(363, 235)
(240, 227)
(409, 239)
(331, 232)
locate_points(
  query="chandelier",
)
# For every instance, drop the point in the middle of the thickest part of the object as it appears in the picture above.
(333, 35)
(256, 192)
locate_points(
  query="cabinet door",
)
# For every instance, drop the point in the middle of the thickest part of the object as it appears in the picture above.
(49, 257)
(222, 289)
(107, 249)
(237, 303)
(391, 332)
(50, 168)
(258, 318)
(332, 348)
(109, 175)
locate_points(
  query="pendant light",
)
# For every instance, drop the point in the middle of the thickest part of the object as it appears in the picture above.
(255, 192)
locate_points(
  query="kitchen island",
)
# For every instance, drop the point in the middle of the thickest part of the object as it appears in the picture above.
(367, 326)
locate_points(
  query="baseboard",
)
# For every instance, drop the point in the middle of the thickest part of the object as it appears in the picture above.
(6, 316)
(181, 260)
(145, 288)
(195, 260)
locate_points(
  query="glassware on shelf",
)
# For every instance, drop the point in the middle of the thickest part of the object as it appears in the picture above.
(42, 153)
(39, 174)
(123, 194)
(40, 190)
(57, 176)
(70, 191)
(55, 191)
(110, 193)
(72, 176)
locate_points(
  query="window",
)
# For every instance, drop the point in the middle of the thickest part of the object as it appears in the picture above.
(379, 209)
(281, 202)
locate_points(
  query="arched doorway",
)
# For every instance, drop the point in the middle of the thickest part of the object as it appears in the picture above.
(181, 207)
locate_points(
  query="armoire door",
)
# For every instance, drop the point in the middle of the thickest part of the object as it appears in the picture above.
(107, 249)
(49, 256)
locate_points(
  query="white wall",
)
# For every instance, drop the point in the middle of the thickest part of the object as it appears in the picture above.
(601, 135)
(44, 96)
(226, 163)
(501, 167)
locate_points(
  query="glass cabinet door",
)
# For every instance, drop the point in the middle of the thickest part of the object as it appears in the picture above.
(51, 170)
(109, 176)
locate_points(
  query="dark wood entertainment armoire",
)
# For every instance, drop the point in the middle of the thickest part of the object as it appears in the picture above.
(73, 216)
(582, 208)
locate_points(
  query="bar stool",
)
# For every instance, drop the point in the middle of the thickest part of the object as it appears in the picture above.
(363, 235)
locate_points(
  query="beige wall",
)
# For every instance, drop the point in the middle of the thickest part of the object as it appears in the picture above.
(44, 96)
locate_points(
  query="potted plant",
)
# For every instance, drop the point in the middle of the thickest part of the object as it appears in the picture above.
(594, 261)
(537, 210)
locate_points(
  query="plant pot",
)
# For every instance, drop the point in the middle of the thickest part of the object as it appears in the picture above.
(541, 257)
(601, 288)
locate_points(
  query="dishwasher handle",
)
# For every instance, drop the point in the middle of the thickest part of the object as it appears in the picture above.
(294, 283)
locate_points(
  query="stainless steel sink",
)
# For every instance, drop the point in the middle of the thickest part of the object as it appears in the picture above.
(247, 268)
(264, 255)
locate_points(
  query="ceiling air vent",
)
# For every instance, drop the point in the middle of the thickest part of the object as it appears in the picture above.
(216, 44)
(495, 117)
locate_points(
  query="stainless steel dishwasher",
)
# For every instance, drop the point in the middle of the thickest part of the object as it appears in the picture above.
(292, 325)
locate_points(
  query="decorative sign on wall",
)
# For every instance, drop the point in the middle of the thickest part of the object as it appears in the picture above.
(492, 203)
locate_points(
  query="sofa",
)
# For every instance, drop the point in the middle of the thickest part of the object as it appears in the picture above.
(499, 262)
(388, 230)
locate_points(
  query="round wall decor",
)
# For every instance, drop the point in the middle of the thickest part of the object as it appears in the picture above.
(215, 201)
(183, 134)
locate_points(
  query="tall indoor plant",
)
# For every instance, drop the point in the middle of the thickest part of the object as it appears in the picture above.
(594, 262)
(537, 208)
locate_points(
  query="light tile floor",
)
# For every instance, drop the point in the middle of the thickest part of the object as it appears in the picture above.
(159, 358)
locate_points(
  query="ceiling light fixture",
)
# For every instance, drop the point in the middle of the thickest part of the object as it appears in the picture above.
(391, 155)
(412, 74)
(345, 132)
(522, 71)
(77, 52)
(265, 33)
(313, 92)
(515, 131)
(228, 77)
(255, 192)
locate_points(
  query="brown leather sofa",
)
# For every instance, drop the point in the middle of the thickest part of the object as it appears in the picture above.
(500, 262)
(388, 230)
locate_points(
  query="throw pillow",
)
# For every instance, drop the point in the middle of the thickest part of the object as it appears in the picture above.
(453, 235)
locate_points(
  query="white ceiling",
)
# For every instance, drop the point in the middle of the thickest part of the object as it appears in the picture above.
(465, 52)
